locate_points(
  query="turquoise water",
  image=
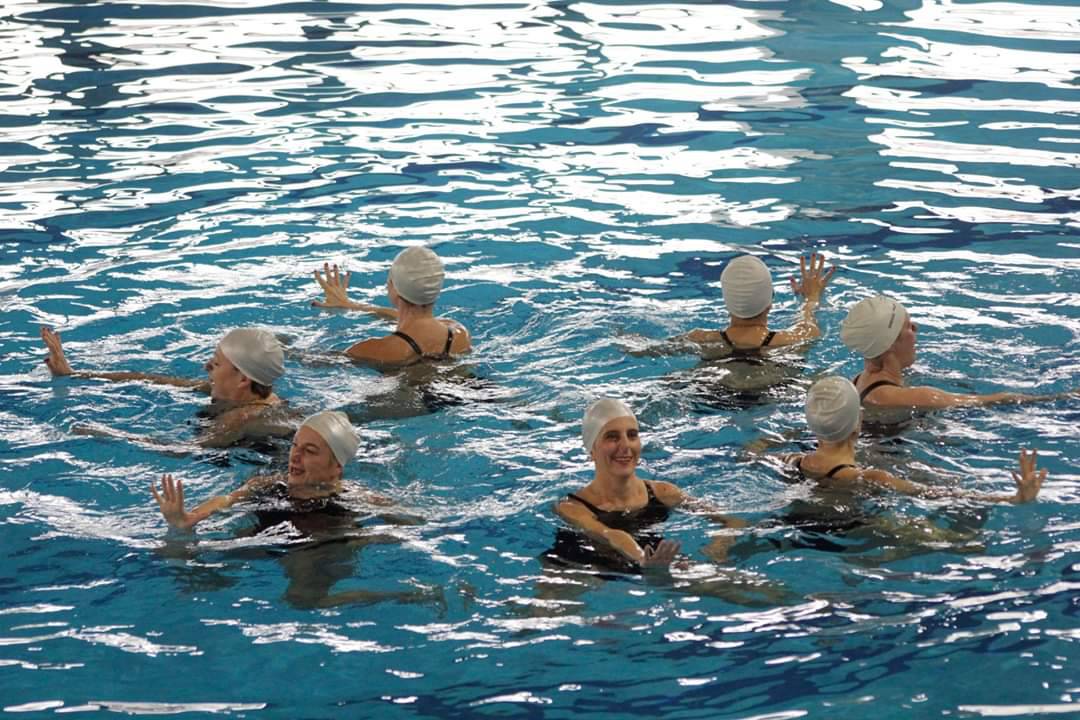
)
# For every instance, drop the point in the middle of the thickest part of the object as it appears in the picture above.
(170, 171)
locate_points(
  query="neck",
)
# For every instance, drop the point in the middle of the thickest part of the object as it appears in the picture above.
(843, 451)
(409, 313)
(309, 491)
(614, 487)
(886, 367)
(761, 321)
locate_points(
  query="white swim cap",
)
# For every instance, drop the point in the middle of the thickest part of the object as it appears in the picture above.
(833, 408)
(747, 286)
(599, 414)
(334, 427)
(417, 274)
(872, 325)
(256, 353)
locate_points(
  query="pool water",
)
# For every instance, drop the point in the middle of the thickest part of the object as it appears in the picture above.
(171, 171)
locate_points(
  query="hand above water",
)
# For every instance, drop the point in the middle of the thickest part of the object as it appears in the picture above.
(171, 501)
(335, 285)
(661, 555)
(56, 361)
(1029, 480)
(814, 278)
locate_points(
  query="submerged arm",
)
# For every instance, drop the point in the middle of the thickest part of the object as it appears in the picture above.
(659, 557)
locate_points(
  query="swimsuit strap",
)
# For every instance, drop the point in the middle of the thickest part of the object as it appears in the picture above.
(768, 339)
(597, 511)
(875, 385)
(416, 346)
(412, 343)
(837, 469)
(855, 380)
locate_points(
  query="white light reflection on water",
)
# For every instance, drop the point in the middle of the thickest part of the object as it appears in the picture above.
(585, 170)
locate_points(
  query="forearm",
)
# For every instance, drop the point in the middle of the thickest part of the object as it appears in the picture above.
(806, 328)
(123, 376)
(202, 511)
(624, 544)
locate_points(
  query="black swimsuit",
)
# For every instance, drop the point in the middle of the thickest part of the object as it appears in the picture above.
(421, 355)
(873, 386)
(575, 548)
(747, 353)
(832, 471)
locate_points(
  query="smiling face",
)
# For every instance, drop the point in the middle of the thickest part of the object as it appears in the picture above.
(311, 462)
(617, 448)
(226, 382)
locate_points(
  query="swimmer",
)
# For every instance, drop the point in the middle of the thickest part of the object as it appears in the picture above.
(413, 285)
(881, 331)
(834, 415)
(748, 294)
(240, 380)
(617, 508)
(319, 505)
(321, 447)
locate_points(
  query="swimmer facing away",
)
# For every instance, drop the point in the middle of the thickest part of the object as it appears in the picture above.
(834, 415)
(617, 508)
(240, 378)
(881, 331)
(747, 287)
(413, 285)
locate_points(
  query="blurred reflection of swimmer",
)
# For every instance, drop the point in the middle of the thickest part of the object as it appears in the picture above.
(312, 502)
(240, 379)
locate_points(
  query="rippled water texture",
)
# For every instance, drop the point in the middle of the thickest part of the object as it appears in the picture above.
(172, 170)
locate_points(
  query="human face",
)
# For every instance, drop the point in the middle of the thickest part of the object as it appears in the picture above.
(226, 382)
(904, 345)
(391, 292)
(311, 462)
(617, 448)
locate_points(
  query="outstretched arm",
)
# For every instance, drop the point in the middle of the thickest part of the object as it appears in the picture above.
(58, 365)
(335, 286)
(171, 500)
(813, 278)
(1029, 482)
(929, 398)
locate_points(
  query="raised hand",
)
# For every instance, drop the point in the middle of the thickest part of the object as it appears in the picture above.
(660, 555)
(814, 278)
(1029, 480)
(171, 501)
(335, 285)
(56, 361)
